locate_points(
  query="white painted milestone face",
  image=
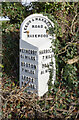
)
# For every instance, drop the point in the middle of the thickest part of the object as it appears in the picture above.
(36, 53)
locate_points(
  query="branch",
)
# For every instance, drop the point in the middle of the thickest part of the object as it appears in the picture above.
(73, 24)
(63, 50)
(74, 60)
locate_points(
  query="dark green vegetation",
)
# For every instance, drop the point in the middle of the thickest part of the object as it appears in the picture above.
(61, 101)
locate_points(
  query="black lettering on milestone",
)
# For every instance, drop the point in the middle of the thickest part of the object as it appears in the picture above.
(32, 19)
(32, 26)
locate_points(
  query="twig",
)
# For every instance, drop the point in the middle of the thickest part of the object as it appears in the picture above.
(74, 60)
(73, 23)
(77, 115)
(63, 50)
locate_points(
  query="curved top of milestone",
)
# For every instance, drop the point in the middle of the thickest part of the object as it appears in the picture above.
(35, 27)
